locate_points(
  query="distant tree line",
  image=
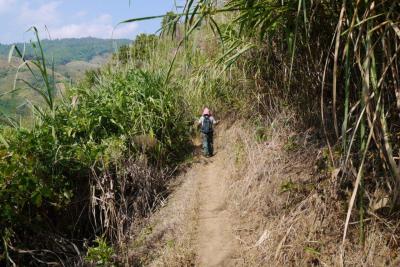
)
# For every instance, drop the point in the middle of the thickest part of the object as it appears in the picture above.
(64, 51)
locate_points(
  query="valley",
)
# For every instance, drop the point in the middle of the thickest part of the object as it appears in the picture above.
(71, 57)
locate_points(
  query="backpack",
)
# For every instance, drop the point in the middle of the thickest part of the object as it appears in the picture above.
(206, 127)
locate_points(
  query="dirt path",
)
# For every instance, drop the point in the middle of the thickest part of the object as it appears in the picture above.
(215, 241)
(194, 228)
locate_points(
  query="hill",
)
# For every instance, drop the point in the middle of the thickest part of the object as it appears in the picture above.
(72, 58)
(72, 49)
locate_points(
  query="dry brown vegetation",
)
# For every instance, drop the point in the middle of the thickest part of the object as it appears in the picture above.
(283, 202)
(165, 238)
(290, 214)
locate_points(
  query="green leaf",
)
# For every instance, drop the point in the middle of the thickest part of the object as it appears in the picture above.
(10, 54)
(37, 199)
(3, 141)
(312, 250)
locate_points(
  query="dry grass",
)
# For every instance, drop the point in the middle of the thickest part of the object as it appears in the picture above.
(286, 210)
(166, 237)
(289, 213)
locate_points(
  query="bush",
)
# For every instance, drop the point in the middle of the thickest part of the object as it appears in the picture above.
(101, 254)
(45, 171)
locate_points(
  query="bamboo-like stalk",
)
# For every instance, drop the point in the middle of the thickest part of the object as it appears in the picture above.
(360, 170)
(346, 97)
(335, 68)
(363, 151)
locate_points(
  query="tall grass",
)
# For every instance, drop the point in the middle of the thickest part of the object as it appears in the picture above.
(92, 163)
(39, 68)
(343, 54)
(103, 153)
(358, 41)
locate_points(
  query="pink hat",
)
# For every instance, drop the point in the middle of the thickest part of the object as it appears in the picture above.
(206, 111)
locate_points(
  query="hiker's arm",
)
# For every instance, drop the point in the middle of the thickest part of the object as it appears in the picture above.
(198, 123)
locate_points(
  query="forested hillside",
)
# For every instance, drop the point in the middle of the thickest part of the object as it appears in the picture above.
(64, 51)
(71, 57)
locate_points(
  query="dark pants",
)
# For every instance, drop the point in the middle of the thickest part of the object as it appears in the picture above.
(208, 144)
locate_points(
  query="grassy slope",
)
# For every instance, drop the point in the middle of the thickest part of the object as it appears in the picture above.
(71, 49)
(107, 121)
(288, 214)
(69, 68)
(290, 211)
(284, 211)
(72, 71)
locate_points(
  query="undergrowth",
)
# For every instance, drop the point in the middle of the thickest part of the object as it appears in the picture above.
(98, 158)
(288, 211)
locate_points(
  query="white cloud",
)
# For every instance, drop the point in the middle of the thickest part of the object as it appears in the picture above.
(104, 18)
(44, 14)
(6, 5)
(100, 27)
(81, 14)
(125, 31)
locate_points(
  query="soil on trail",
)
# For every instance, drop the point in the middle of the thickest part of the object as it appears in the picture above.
(215, 242)
(194, 228)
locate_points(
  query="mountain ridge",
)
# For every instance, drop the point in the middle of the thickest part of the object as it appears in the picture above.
(72, 57)
(66, 50)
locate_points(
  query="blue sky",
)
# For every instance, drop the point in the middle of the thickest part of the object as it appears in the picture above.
(78, 18)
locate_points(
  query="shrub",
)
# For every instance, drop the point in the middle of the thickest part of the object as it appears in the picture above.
(101, 254)
(45, 171)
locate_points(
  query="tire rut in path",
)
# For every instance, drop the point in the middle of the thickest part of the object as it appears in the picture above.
(215, 240)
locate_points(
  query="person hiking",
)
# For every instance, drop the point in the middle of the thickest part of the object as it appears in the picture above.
(207, 122)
